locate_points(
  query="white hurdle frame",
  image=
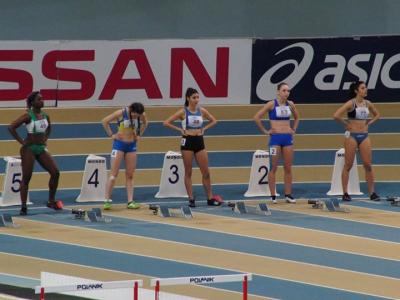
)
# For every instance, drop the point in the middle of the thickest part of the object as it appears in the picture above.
(207, 279)
(135, 284)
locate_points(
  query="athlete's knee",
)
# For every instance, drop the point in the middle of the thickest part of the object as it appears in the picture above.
(287, 169)
(55, 174)
(206, 175)
(368, 167)
(129, 176)
(188, 173)
(273, 169)
(26, 179)
(112, 178)
(347, 167)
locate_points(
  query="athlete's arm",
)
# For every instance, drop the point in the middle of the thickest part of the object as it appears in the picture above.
(212, 120)
(260, 115)
(375, 113)
(179, 115)
(296, 116)
(12, 128)
(108, 119)
(338, 115)
(145, 123)
(48, 130)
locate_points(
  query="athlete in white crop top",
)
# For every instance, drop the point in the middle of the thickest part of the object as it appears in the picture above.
(192, 143)
(356, 135)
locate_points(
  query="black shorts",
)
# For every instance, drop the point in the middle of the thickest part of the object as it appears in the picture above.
(192, 143)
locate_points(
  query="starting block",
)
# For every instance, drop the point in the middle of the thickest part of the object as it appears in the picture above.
(94, 215)
(241, 208)
(394, 201)
(167, 212)
(332, 205)
(6, 220)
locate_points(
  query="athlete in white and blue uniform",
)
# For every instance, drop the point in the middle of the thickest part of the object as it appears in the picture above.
(131, 123)
(281, 132)
(280, 113)
(193, 122)
(358, 120)
(192, 143)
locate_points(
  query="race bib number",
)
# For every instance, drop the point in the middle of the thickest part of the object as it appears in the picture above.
(183, 142)
(113, 153)
(41, 125)
(362, 113)
(283, 111)
(272, 151)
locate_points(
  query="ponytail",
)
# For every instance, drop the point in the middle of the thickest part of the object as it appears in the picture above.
(189, 92)
(353, 88)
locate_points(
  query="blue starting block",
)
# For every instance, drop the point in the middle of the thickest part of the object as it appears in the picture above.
(332, 205)
(94, 215)
(260, 209)
(167, 212)
(6, 220)
(394, 201)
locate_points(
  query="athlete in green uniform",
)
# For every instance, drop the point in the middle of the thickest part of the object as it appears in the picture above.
(34, 148)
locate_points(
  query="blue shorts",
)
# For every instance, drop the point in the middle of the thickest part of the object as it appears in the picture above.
(124, 146)
(359, 137)
(281, 139)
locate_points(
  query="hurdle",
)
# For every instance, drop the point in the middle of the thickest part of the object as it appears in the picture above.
(199, 280)
(91, 286)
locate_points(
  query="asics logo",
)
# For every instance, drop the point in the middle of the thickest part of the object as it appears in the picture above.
(330, 71)
(267, 90)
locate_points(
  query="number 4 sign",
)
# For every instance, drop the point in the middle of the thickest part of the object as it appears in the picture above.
(94, 180)
(172, 177)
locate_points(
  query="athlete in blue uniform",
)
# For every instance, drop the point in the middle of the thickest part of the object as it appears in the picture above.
(356, 136)
(34, 148)
(131, 122)
(192, 143)
(281, 134)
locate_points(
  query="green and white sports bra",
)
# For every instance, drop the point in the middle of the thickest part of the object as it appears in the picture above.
(37, 126)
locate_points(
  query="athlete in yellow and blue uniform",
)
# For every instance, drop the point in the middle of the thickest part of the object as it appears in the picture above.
(131, 123)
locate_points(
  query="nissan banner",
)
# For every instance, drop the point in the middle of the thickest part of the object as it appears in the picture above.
(116, 73)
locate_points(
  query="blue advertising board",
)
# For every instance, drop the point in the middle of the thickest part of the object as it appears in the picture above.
(320, 70)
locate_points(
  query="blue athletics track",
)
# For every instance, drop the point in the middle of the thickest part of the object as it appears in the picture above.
(296, 253)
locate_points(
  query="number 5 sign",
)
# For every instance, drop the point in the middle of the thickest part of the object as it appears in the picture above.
(258, 183)
(172, 177)
(12, 181)
(94, 180)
